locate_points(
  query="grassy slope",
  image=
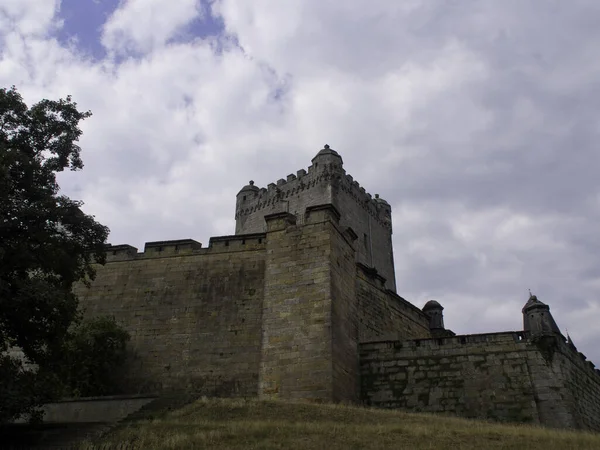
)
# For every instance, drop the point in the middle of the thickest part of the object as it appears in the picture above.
(250, 424)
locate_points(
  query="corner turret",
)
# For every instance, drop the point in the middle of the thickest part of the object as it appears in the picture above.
(537, 318)
(384, 211)
(327, 158)
(436, 317)
(243, 201)
(433, 310)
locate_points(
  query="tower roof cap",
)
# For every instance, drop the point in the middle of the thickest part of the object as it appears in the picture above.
(378, 199)
(534, 303)
(432, 304)
(249, 187)
(327, 151)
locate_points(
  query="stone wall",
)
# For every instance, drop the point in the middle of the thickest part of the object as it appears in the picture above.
(503, 376)
(483, 376)
(194, 314)
(344, 318)
(92, 409)
(383, 313)
(309, 349)
(567, 387)
(372, 224)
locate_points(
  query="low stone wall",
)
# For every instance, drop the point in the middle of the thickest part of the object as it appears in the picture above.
(484, 376)
(93, 409)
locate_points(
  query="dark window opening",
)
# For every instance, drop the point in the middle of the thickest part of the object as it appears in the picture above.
(244, 198)
(260, 240)
(243, 241)
(160, 249)
(226, 243)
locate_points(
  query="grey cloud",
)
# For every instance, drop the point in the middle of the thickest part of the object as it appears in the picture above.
(460, 114)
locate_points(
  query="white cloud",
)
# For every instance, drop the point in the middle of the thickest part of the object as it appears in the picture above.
(143, 25)
(28, 17)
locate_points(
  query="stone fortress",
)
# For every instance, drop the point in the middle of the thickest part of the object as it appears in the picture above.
(301, 304)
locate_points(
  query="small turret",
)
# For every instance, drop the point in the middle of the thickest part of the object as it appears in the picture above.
(537, 318)
(248, 192)
(436, 317)
(384, 210)
(327, 158)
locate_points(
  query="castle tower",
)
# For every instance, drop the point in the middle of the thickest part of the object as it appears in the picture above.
(537, 318)
(325, 182)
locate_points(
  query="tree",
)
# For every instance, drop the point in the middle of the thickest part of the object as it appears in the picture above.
(46, 243)
(95, 349)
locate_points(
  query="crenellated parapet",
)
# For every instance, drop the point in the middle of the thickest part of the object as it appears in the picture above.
(183, 247)
(326, 171)
(276, 194)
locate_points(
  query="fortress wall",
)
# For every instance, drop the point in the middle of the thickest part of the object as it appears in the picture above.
(344, 319)
(297, 193)
(194, 318)
(296, 338)
(382, 312)
(484, 376)
(360, 212)
(309, 334)
(567, 388)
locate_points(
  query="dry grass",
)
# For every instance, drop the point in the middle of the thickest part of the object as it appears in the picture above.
(251, 424)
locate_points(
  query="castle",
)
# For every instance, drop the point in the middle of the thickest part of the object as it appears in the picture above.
(301, 303)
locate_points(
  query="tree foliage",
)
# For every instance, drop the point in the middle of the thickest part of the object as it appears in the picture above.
(46, 242)
(95, 350)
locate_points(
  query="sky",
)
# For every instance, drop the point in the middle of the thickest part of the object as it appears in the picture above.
(477, 120)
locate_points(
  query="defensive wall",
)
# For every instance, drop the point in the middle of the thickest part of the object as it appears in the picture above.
(277, 314)
(504, 376)
(301, 303)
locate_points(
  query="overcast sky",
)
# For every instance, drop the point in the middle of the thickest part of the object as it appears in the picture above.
(478, 120)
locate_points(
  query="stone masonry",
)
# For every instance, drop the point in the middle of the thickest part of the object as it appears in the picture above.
(301, 304)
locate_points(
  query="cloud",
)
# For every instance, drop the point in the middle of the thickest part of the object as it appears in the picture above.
(28, 17)
(476, 120)
(143, 25)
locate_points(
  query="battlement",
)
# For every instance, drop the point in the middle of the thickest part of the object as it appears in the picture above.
(278, 194)
(182, 247)
(487, 342)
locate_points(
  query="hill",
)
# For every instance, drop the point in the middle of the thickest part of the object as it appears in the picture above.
(252, 424)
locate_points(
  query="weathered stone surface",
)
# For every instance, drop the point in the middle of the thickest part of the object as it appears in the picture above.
(194, 318)
(502, 376)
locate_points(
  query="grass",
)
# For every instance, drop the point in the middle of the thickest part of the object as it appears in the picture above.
(252, 424)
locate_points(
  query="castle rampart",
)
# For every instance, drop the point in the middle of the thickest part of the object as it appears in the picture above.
(194, 318)
(505, 376)
(301, 304)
